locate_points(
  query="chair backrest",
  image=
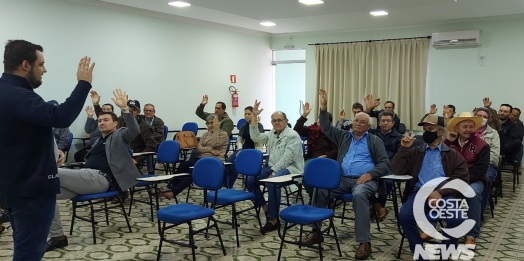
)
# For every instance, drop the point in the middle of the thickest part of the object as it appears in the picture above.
(190, 126)
(166, 129)
(322, 173)
(168, 151)
(249, 162)
(402, 128)
(69, 142)
(209, 173)
(240, 123)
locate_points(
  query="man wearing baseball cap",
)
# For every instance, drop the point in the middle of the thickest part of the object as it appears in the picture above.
(431, 160)
(475, 151)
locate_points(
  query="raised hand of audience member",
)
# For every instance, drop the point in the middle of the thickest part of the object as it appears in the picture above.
(95, 98)
(376, 103)
(90, 112)
(452, 136)
(368, 101)
(323, 99)
(216, 124)
(204, 101)
(407, 141)
(475, 110)
(85, 70)
(306, 110)
(120, 98)
(258, 119)
(433, 109)
(341, 117)
(486, 102)
(256, 109)
(61, 159)
(446, 113)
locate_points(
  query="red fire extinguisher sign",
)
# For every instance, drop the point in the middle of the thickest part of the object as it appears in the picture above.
(233, 78)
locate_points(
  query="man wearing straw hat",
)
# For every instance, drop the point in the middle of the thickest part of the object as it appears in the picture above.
(475, 151)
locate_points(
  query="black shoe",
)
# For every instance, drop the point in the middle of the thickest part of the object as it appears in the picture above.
(54, 243)
(268, 227)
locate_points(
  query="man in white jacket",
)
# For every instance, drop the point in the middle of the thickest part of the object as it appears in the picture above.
(284, 147)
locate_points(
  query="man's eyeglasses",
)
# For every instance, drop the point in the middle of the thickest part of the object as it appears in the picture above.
(277, 120)
(209, 123)
(386, 120)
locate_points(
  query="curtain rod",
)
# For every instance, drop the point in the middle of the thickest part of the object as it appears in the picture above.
(370, 41)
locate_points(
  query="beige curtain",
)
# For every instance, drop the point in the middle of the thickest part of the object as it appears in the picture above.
(390, 70)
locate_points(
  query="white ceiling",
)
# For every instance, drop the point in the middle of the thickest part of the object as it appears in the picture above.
(334, 15)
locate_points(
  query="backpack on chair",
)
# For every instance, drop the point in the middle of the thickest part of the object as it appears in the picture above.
(187, 139)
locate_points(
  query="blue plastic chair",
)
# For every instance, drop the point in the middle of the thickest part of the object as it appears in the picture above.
(320, 173)
(240, 123)
(190, 126)
(167, 154)
(208, 174)
(96, 198)
(69, 142)
(248, 163)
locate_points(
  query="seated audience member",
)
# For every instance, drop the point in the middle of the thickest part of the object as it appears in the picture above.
(318, 145)
(462, 137)
(155, 122)
(226, 124)
(491, 137)
(213, 143)
(91, 125)
(244, 138)
(61, 134)
(363, 160)
(145, 142)
(108, 166)
(431, 160)
(356, 108)
(514, 117)
(284, 147)
(391, 139)
(512, 132)
(388, 106)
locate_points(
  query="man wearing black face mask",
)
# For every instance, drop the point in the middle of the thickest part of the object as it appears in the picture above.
(426, 162)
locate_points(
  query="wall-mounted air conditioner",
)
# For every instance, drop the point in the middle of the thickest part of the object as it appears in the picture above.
(456, 39)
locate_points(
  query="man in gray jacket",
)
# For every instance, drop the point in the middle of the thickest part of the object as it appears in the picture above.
(364, 160)
(108, 165)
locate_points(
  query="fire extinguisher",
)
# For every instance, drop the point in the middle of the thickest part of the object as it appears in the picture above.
(234, 96)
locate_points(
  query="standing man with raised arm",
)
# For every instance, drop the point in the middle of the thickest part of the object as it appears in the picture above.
(226, 124)
(28, 159)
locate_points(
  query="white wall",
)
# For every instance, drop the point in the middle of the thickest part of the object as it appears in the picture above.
(165, 62)
(454, 75)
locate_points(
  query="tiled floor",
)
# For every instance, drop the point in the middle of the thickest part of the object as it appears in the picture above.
(501, 238)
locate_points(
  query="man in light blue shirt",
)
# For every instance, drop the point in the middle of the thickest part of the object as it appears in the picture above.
(363, 160)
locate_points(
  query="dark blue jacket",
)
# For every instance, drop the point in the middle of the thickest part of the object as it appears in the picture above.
(391, 141)
(27, 156)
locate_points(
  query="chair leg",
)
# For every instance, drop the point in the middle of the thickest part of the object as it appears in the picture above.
(162, 231)
(235, 224)
(219, 237)
(400, 247)
(125, 215)
(106, 211)
(376, 217)
(150, 195)
(343, 212)
(192, 241)
(73, 218)
(92, 221)
(282, 241)
(188, 190)
(332, 224)
(491, 205)
(131, 195)
(300, 236)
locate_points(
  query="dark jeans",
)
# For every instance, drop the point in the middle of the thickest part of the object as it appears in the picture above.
(30, 220)
(178, 185)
